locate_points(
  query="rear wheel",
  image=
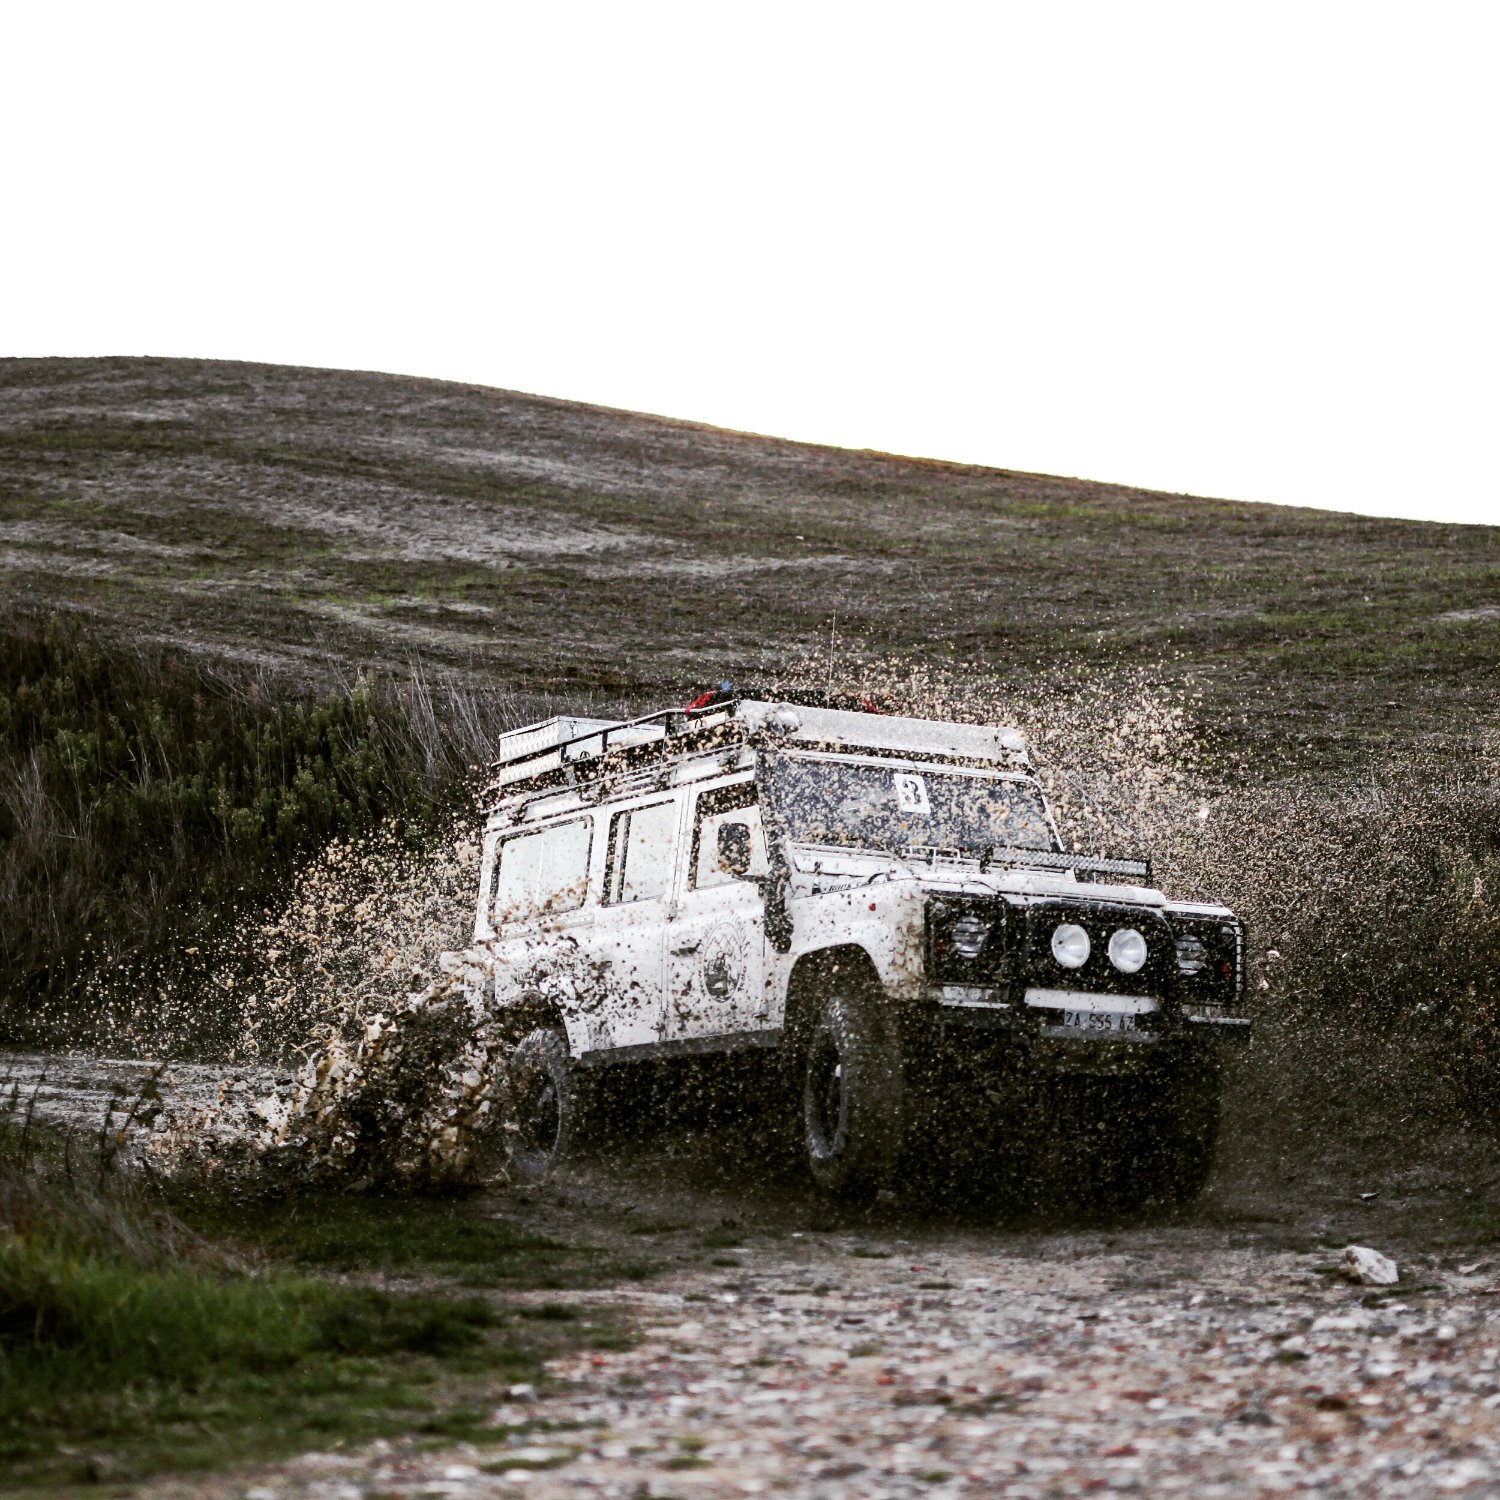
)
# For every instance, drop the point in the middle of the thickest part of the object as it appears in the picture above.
(852, 1094)
(546, 1101)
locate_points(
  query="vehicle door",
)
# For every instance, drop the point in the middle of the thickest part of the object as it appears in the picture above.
(538, 911)
(716, 937)
(626, 941)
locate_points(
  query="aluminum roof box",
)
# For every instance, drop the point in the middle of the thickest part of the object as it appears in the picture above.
(524, 752)
(886, 732)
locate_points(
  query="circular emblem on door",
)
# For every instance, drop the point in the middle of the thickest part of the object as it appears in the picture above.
(721, 962)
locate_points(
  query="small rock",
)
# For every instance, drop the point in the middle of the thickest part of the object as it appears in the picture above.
(1369, 1267)
(528, 1392)
(1255, 1416)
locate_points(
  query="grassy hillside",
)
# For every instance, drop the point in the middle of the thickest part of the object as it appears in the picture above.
(250, 607)
(302, 517)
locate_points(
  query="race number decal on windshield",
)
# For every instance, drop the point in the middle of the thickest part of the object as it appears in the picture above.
(911, 793)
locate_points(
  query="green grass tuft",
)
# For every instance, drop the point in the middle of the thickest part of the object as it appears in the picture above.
(462, 1238)
(133, 1341)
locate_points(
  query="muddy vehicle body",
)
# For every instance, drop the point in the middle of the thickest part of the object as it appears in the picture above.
(886, 903)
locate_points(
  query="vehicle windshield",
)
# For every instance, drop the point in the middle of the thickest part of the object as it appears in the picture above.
(896, 809)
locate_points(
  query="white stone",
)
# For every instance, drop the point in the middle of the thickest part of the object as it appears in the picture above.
(1369, 1267)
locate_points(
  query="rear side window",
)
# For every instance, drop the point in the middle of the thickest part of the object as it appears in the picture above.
(716, 810)
(545, 871)
(642, 850)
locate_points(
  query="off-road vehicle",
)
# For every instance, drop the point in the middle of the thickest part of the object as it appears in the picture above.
(885, 901)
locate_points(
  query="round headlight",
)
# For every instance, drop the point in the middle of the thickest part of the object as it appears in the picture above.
(1127, 950)
(1070, 946)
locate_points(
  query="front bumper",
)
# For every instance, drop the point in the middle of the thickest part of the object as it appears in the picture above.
(1081, 1016)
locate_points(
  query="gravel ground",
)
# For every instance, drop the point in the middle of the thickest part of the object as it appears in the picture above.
(821, 1354)
(1143, 1363)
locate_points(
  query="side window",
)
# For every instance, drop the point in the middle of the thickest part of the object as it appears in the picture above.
(729, 841)
(642, 847)
(545, 871)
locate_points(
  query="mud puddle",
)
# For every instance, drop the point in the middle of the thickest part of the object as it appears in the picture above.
(81, 1092)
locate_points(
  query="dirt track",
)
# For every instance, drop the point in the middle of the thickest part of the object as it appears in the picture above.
(790, 1349)
(1148, 1363)
(905, 1361)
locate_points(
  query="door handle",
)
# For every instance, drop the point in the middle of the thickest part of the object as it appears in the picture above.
(691, 948)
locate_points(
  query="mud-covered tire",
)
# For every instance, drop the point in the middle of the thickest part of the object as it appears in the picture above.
(851, 1094)
(1189, 1113)
(1161, 1138)
(546, 1104)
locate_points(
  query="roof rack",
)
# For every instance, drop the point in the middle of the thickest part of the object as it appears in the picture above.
(553, 745)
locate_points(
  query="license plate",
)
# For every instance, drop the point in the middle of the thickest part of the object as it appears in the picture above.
(1098, 1020)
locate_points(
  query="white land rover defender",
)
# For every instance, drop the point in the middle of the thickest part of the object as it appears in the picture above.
(876, 897)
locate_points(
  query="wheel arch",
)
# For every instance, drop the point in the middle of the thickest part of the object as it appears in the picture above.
(811, 977)
(530, 1011)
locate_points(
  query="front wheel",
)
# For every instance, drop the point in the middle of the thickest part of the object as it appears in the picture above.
(852, 1095)
(546, 1101)
(1158, 1142)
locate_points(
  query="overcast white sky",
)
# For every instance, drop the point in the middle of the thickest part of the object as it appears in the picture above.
(1245, 250)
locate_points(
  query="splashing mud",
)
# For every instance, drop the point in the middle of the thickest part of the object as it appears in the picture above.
(393, 1078)
(415, 1101)
(1371, 898)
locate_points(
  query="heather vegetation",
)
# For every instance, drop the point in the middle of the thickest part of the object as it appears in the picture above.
(148, 794)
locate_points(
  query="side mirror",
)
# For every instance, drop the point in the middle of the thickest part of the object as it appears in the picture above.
(734, 849)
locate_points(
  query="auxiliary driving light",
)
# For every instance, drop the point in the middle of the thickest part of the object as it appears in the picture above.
(1070, 945)
(1127, 950)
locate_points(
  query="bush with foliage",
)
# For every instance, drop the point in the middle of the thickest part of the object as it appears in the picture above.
(145, 792)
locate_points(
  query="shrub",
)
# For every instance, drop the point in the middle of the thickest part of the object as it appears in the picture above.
(145, 792)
